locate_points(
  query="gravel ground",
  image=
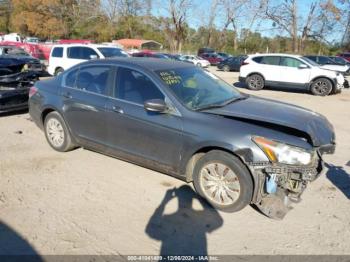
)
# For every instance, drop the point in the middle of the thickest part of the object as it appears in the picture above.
(83, 202)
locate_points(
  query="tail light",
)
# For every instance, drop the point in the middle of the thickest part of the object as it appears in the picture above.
(32, 91)
(244, 63)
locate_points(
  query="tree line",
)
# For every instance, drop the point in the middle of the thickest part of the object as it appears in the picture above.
(234, 26)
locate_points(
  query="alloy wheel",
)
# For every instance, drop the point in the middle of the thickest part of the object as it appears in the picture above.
(55, 132)
(255, 82)
(220, 184)
(321, 87)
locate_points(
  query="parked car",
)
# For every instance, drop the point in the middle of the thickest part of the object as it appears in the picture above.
(340, 60)
(151, 54)
(345, 55)
(15, 80)
(20, 54)
(290, 71)
(223, 55)
(203, 50)
(197, 60)
(213, 58)
(327, 63)
(173, 56)
(232, 63)
(179, 119)
(63, 57)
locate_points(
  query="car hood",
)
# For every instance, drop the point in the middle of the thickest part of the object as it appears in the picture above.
(316, 126)
(339, 68)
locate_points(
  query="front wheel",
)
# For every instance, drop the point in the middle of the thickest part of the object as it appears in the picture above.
(223, 181)
(255, 82)
(56, 132)
(226, 68)
(321, 87)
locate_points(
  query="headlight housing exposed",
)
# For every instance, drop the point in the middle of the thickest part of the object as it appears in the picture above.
(283, 153)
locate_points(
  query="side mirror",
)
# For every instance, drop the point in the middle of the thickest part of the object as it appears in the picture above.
(93, 57)
(155, 105)
(303, 66)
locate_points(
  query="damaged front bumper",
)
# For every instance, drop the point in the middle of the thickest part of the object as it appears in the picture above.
(288, 183)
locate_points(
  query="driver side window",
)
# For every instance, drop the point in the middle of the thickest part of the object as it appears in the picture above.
(133, 86)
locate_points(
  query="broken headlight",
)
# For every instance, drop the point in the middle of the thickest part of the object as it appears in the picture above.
(283, 153)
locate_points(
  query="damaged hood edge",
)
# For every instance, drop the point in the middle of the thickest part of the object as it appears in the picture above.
(268, 111)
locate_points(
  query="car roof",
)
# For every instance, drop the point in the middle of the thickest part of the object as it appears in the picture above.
(83, 45)
(275, 54)
(152, 64)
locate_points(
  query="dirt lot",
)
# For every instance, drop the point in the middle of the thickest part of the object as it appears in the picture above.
(82, 202)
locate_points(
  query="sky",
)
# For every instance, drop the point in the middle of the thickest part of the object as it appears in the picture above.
(265, 27)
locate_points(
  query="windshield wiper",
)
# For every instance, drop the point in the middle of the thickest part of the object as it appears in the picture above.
(232, 100)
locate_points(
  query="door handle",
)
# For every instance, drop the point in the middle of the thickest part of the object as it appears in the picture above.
(67, 95)
(118, 109)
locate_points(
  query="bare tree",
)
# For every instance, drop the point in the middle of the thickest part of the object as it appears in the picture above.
(211, 19)
(177, 11)
(284, 15)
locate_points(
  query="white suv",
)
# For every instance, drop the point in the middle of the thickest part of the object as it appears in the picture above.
(63, 57)
(291, 71)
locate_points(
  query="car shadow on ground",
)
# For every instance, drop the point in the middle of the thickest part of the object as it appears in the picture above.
(12, 113)
(183, 232)
(280, 89)
(13, 247)
(340, 178)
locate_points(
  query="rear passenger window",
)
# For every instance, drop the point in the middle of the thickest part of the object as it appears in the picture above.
(57, 52)
(87, 52)
(93, 79)
(77, 52)
(270, 60)
(135, 87)
(73, 52)
(257, 59)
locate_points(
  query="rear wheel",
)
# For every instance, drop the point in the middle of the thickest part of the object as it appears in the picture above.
(321, 87)
(226, 68)
(255, 82)
(56, 132)
(223, 181)
(199, 65)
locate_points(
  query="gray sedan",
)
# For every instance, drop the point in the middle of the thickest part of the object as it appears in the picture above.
(181, 120)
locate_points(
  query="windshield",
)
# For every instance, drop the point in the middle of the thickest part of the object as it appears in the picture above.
(198, 89)
(309, 61)
(112, 52)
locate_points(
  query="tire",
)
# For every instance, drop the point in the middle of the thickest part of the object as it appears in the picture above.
(58, 71)
(56, 133)
(220, 177)
(255, 82)
(199, 65)
(226, 68)
(321, 87)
